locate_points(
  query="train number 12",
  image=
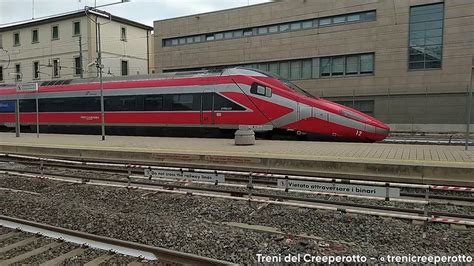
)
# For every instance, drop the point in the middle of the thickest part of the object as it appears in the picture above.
(359, 133)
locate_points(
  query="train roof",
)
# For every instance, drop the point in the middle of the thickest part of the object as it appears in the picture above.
(160, 76)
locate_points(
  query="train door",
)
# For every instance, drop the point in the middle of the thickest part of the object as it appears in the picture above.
(304, 111)
(207, 108)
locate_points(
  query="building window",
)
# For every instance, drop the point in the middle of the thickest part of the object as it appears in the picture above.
(55, 32)
(426, 36)
(324, 22)
(123, 33)
(284, 70)
(36, 70)
(229, 35)
(367, 64)
(337, 66)
(16, 39)
(365, 106)
(295, 26)
(347, 65)
(295, 69)
(56, 68)
(77, 66)
(124, 66)
(76, 28)
(311, 68)
(307, 24)
(325, 67)
(218, 36)
(353, 18)
(352, 65)
(18, 72)
(1, 73)
(34, 36)
(281, 28)
(337, 20)
(262, 30)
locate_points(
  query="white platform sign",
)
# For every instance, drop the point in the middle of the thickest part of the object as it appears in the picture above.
(339, 188)
(203, 177)
(27, 87)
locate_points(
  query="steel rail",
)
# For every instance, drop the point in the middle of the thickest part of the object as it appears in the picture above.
(436, 196)
(266, 182)
(235, 179)
(242, 186)
(253, 174)
(106, 243)
(436, 216)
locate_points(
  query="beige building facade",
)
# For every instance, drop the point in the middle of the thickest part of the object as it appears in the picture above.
(406, 62)
(50, 49)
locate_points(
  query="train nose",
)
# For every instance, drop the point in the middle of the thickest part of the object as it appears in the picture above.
(382, 130)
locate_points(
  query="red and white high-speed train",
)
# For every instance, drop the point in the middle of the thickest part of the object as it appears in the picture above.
(222, 99)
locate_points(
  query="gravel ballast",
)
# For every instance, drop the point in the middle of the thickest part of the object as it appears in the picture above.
(196, 224)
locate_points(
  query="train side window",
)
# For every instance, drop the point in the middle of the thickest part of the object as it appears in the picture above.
(261, 90)
(53, 105)
(207, 101)
(90, 104)
(28, 106)
(223, 104)
(71, 104)
(182, 102)
(120, 103)
(154, 103)
(7, 106)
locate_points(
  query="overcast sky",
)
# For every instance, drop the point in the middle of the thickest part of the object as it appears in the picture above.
(144, 11)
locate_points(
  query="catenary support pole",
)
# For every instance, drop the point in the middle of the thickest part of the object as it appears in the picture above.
(469, 107)
(99, 63)
(17, 114)
(80, 58)
(37, 112)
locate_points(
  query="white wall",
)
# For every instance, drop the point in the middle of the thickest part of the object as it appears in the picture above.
(45, 50)
(133, 50)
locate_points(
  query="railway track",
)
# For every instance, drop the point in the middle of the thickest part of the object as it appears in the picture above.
(258, 194)
(28, 242)
(231, 213)
(428, 192)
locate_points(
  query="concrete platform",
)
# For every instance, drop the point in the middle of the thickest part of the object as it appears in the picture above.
(424, 164)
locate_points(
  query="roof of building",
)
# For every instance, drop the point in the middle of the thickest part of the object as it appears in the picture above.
(222, 10)
(64, 16)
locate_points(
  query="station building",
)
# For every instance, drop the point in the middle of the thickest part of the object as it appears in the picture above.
(406, 62)
(63, 47)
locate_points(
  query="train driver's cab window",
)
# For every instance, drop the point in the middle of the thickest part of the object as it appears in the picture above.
(261, 90)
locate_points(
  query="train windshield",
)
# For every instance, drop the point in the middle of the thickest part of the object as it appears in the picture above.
(288, 83)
